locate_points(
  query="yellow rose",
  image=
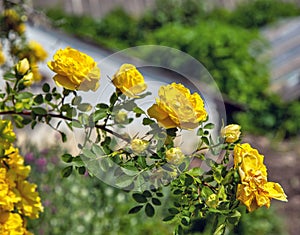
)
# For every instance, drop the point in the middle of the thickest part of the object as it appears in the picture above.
(254, 190)
(174, 156)
(177, 107)
(23, 66)
(11, 223)
(30, 204)
(138, 146)
(7, 136)
(21, 28)
(37, 50)
(248, 159)
(231, 133)
(129, 81)
(75, 70)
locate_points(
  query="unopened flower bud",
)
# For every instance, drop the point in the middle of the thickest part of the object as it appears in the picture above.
(28, 79)
(121, 117)
(174, 156)
(23, 66)
(138, 146)
(231, 133)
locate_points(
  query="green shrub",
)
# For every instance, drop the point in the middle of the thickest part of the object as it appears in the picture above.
(185, 12)
(224, 51)
(258, 13)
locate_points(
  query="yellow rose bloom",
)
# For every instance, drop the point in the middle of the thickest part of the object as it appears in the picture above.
(175, 156)
(177, 107)
(30, 204)
(11, 223)
(21, 28)
(138, 146)
(75, 70)
(37, 50)
(7, 136)
(7, 197)
(254, 190)
(231, 133)
(16, 163)
(129, 81)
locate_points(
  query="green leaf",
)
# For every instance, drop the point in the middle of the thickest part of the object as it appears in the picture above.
(97, 150)
(130, 172)
(67, 157)
(220, 230)
(102, 106)
(48, 97)
(23, 95)
(46, 87)
(77, 161)
(168, 218)
(177, 191)
(84, 107)
(99, 114)
(76, 100)
(67, 171)
(234, 217)
(147, 193)
(205, 140)
(196, 171)
(156, 201)
(81, 170)
(124, 181)
(76, 124)
(188, 180)
(206, 192)
(38, 99)
(26, 121)
(140, 198)
(135, 209)
(113, 98)
(88, 153)
(209, 126)
(173, 211)
(63, 136)
(148, 121)
(142, 161)
(149, 210)
(39, 111)
(138, 110)
(185, 221)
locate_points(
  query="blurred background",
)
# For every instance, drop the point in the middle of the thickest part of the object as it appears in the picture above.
(252, 50)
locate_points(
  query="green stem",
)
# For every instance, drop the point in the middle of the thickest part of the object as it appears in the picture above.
(60, 116)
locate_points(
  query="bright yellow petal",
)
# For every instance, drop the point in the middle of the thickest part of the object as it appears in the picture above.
(275, 191)
(64, 82)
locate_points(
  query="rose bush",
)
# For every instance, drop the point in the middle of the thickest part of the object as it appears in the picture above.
(145, 164)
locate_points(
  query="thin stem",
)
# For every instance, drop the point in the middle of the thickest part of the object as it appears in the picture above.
(60, 116)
